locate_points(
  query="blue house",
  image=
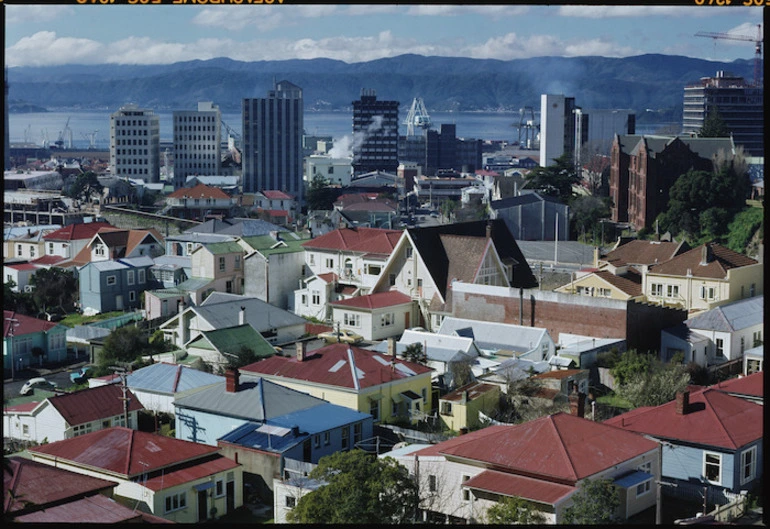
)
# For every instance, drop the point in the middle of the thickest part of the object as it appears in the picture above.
(31, 342)
(262, 425)
(711, 441)
(107, 286)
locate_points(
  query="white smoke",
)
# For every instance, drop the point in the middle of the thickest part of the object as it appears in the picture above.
(345, 146)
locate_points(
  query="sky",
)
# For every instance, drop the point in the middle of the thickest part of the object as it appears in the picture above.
(44, 35)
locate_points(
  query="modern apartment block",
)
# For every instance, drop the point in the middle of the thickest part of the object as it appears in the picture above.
(557, 127)
(135, 143)
(739, 104)
(272, 141)
(441, 149)
(375, 134)
(197, 142)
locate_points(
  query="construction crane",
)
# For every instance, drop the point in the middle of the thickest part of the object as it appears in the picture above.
(757, 47)
(66, 133)
(417, 116)
(527, 128)
(91, 137)
(232, 133)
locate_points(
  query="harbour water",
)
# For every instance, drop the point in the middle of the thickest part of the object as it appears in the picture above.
(91, 128)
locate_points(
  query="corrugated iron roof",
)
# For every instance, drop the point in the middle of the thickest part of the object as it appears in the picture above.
(94, 509)
(363, 240)
(751, 385)
(519, 486)
(16, 324)
(377, 300)
(170, 378)
(731, 317)
(93, 404)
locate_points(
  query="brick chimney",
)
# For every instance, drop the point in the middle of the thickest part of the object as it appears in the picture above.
(682, 402)
(231, 380)
(577, 403)
(301, 350)
(242, 316)
(392, 348)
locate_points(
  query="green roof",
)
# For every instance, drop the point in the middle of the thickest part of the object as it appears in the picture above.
(223, 247)
(266, 245)
(232, 339)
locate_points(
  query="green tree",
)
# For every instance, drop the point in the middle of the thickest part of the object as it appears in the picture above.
(657, 386)
(414, 353)
(359, 488)
(124, 345)
(586, 213)
(20, 302)
(555, 180)
(320, 195)
(514, 510)
(743, 228)
(594, 503)
(629, 364)
(54, 288)
(85, 186)
(244, 356)
(714, 126)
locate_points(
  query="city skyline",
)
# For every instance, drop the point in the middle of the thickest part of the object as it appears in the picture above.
(47, 35)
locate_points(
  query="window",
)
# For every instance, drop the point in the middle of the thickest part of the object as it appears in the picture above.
(237, 262)
(345, 438)
(316, 297)
(712, 467)
(111, 280)
(707, 292)
(132, 295)
(391, 279)
(175, 502)
(424, 392)
(291, 502)
(312, 258)
(32, 251)
(330, 263)
(317, 440)
(373, 270)
(99, 250)
(25, 430)
(645, 467)
(757, 338)
(605, 292)
(656, 289)
(748, 464)
(81, 429)
(19, 251)
(432, 483)
(720, 347)
(374, 409)
(394, 408)
(221, 264)
(219, 488)
(446, 408)
(466, 492)
(130, 277)
(388, 319)
(357, 433)
(141, 274)
(351, 320)
(643, 488)
(409, 252)
(50, 247)
(304, 300)
(672, 291)
(327, 438)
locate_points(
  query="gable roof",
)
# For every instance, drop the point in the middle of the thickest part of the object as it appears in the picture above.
(720, 260)
(254, 400)
(493, 335)
(472, 391)
(93, 404)
(233, 339)
(16, 324)
(523, 199)
(378, 300)
(713, 418)
(170, 378)
(199, 191)
(338, 365)
(629, 283)
(731, 317)
(559, 448)
(360, 240)
(273, 194)
(427, 242)
(519, 486)
(125, 452)
(640, 252)
(222, 310)
(236, 226)
(73, 232)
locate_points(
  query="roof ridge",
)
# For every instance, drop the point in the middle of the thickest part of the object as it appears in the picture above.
(709, 391)
(562, 446)
(130, 451)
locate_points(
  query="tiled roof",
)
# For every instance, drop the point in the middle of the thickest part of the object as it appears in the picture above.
(277, 195)
(23, 324)
(125, 452)
(199, 191)
(93, 404)
(639, 252)
(377, 300)
(720, 260)
(559, 448)
(519, 486)
(79, 231)
(713, 419)
(629, 283)
(331, 365)
(363, 240)
(731, 317)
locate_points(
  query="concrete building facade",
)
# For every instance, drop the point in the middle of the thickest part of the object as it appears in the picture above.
(197, 142)
(135, 143)
(375, 132)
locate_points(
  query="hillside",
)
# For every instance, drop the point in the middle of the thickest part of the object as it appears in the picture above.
(444, 83)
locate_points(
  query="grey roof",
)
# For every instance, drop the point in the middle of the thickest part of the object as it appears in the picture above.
(237, 227)
(170, 378)
(524, 198)
(255, 400)
(137, 262)
(106, 266)
(732, 317)
(755, 352)
(493, 336)
(84, 333)
(438, 348)
(193, 284)
(194, 236)
(683, 332)
(222, 310)
(566, 252)
(172, 261)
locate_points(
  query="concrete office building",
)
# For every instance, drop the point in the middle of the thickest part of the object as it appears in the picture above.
(197, 142)
(135, 143)
(272, 141)
(557, 127)
(375, 134)
(740, 106)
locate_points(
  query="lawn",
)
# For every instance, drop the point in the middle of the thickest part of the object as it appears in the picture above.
(71, 320)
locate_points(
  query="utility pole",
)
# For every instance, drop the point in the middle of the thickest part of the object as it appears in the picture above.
(12, 324)
(122, 373)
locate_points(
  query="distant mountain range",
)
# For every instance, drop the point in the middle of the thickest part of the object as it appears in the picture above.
(444, 83)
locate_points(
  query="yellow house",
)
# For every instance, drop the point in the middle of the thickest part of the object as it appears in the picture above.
(703, 278)
(383, 386)
(604, 284)
(460, 409)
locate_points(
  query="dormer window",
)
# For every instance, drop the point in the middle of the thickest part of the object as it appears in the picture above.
(100, 250)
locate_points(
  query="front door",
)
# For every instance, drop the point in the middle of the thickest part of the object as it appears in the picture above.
(119, 302)
(230, 496)
(202, 506)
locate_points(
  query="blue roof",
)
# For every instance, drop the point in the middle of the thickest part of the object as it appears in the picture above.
(170, 378)
(248, 435)
(633, 479)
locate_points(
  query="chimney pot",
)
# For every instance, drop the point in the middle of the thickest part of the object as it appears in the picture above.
(392, 348)
(577, 402)
(242, 316)
(682, 402)
(301, 350)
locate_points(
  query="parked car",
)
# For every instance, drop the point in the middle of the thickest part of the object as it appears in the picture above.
(37, 383)
(344, 336)
(80, 376)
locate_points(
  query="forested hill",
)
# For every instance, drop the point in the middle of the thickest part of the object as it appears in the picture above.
(444, 83)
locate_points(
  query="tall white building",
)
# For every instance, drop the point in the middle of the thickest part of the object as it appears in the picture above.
(557, 127)
(197, 142)
(135, 143)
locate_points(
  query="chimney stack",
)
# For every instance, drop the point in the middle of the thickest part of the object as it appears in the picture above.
(301, 350)
(705, 254)
(231, 380)
(242, 316)
(682, 402)
(392, 348)
(182, 330)
(489, 229)
(577, 403)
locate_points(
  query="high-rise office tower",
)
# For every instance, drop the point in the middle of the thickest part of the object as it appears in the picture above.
(375, 134)
(272, 141)
(135, 143)
(197, 142)
(557, 127)
(739, 104)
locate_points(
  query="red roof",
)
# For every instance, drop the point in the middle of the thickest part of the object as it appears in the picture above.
(75, 232)
(24, 324)
(93, 404)
(22, 266)
(752, 385)
(96, 508)
(519, 486)
(277, 195)
(125, 452)
(185, 474)
(329, 277)
(561, 448)
(363, 240)
(199, 191)
(713, 418)
(330, 365)
(377, 300)
(719, 260)
(49, 260)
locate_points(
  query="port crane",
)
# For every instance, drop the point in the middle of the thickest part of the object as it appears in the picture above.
(757, 47)
(66, 133)
(232, 133)
(417, 116)
(91, 137)
(527, 128)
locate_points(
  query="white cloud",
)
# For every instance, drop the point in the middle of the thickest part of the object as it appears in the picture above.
(18, 14)
(45, 48)
(636, 11)
(459, 10)
(511, 46)
(262, 19)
